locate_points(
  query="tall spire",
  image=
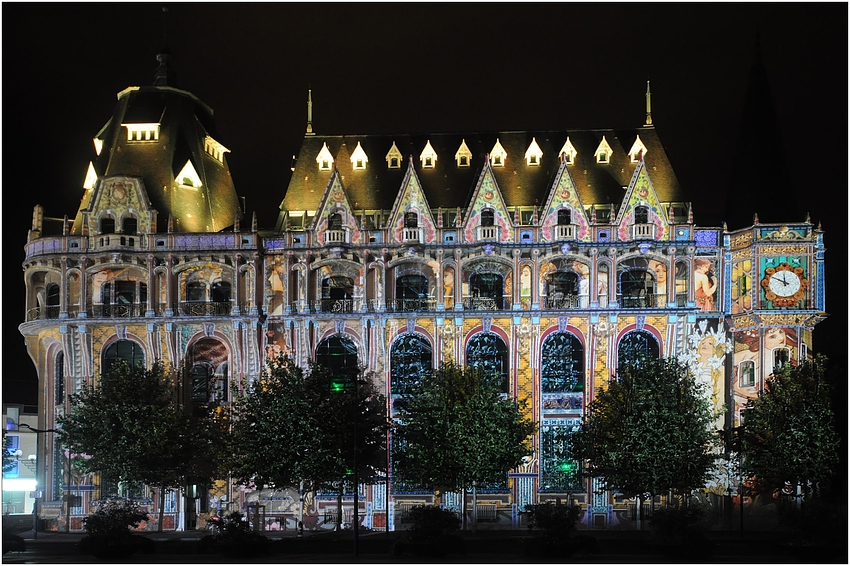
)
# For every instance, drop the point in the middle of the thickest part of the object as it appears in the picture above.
(310, 112)
(648, 105)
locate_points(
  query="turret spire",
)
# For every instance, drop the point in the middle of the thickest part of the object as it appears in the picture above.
(310, 112)
(164, 74)
(648, 105)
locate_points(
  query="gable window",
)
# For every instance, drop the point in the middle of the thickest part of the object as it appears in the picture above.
(564, 217)
(463, 161)
(393, 157)
(411, 220)
(130, 226)
(533, 154)
(602, 157)
(463, 155)
(487, 217)
(335, 221)
(497, 160)
(324, 159)
(107, 225)
(603, 152)
(641, 215)
(394, 163)
(428, 157)
(359, 158)
(498, 154)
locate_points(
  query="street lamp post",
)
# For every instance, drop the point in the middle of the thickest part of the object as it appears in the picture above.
(38, 481)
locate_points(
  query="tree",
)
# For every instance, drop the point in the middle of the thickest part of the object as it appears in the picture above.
(317, 427)
(789, 437)
(649, 432)
(10, 461)
(454, 430)
(133, 427)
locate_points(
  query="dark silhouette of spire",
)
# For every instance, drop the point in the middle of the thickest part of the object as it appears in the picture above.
(759, 183)
(164, 73)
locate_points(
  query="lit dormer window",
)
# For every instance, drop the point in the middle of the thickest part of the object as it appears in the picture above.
(428, 156)
(215, 149)
(568, 152)
(533, 154)
(91, 177)
(142, 132)
(188, 177)
(463, 155)
(637, 150)
(603, 152)
(98, 146)
(498, 155)
(393, 157)
(325, 159)
(358, 158)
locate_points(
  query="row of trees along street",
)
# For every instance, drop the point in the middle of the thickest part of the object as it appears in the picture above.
(649, 432)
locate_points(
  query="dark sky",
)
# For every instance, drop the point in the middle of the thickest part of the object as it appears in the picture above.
(418, 68)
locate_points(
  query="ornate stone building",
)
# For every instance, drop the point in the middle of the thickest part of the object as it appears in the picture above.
(547, 256)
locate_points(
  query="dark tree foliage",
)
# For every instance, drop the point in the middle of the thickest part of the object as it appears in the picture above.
(290, 426)
(789, 435)
(133, 426)
(454, 428)
(650, 431)
(9, 459)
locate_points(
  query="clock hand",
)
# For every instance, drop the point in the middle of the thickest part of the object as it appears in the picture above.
(784, 282)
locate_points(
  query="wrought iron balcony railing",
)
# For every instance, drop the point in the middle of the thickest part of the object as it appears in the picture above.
(205, 308)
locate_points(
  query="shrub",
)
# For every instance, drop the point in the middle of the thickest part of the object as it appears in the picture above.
(114, 518)
(429, 522)
(553, 519)
(234, 537)
(677, 525)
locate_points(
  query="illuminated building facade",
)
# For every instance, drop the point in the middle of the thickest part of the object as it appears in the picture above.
(549, 257)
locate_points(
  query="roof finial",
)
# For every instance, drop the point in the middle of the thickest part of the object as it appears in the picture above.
(310, 112)
(164, 75)
(648, 105)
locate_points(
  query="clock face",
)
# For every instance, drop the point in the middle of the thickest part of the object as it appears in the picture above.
(784, 283)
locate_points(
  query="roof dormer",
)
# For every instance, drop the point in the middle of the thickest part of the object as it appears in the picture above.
(603, 152)
(358, 158)
(498, 155)
(393, 157)
(215, 149)
(428, 156)
(533, 154)
(463, 155)
(568, 151)
(637, 151)
(147, 132)
(325, 159)
(188, 177)
(91, 177)
(98, 146)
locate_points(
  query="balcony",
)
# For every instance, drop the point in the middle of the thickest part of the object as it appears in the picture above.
(642, 301)
(490, 233)
(643, 231)
(411, 305)
(565, 232)
(486, 303)
(42, 313)
(337, 305)
(335, 237)
(125, 310)
(567, 302)
(204, 308)
(412, 235)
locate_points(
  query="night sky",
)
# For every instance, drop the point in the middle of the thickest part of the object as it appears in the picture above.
(418, 68)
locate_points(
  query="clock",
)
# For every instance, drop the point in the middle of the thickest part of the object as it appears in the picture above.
(784, 285)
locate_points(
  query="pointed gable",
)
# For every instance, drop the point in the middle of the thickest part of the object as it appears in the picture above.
(564, 196)
(638, 150)
(324, 158)
(358, 158)
(568, 151)
(428, 156)
(603, 152)
(335, 202)
(411, 201)
(641, 210)
(487, 203)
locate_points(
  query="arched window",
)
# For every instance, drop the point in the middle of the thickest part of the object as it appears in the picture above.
(107, 225)
(52, 299)
(641, 215)
(485, 291)
(562, 290)
(122, 350)
(487, 217)
(196, 292)
(220, 296)
(562, 364)
(636, 346)
(335, 221)
(59, 378)
(564, 217)
(130, 226)
(410, 359)
(336, 294)
(119, 298)
(201, 377)
(488, 353)
(637, 288)
(339, 355)
(411, 220)
(209, 371)
(411, 292)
